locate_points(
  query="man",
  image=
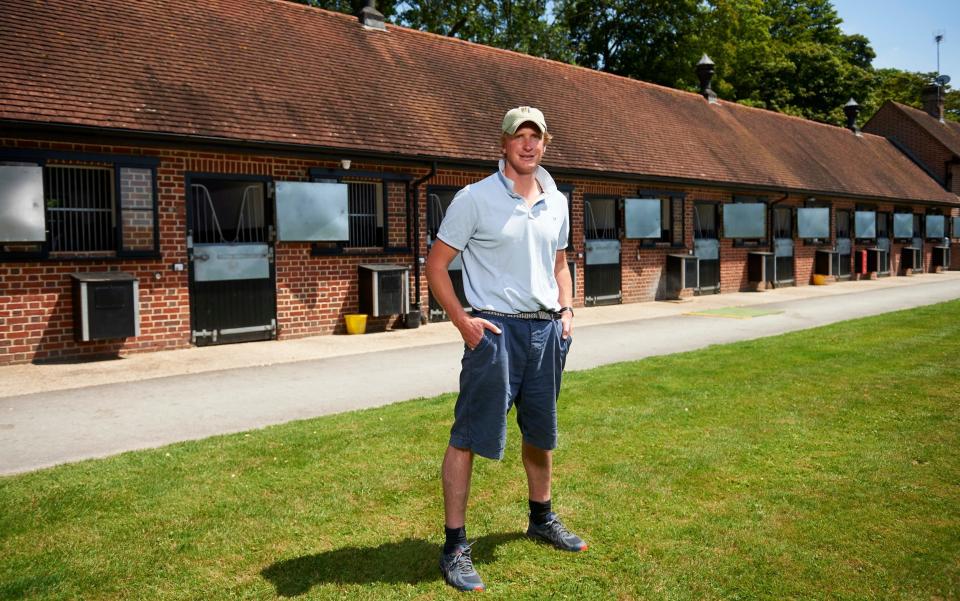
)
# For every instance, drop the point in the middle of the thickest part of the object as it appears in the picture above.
(512, 229)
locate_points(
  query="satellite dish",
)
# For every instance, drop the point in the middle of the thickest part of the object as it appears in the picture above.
(942, 80)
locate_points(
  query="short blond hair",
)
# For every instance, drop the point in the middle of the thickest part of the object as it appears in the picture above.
(504, 136)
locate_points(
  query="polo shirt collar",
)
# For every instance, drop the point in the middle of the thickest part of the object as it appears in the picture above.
(544, 178)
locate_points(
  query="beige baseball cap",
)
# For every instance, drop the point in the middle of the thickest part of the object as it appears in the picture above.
(520, 115)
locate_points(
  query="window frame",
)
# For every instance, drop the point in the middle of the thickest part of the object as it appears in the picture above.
(758, 242)
(900, 211)
(887, 219)
(946, 224)
(667, 238)
(715, 204)
(116, 163)
(384, 178)
(815, 203)
(617, 215)
(857, 241)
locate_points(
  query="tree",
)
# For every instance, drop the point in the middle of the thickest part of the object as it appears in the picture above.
(386, 7)
(520, 25)
(786, 55)
(906, 87)
(642, 40)
(736, 36)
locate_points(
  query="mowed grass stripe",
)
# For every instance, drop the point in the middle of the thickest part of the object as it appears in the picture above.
(818, 464)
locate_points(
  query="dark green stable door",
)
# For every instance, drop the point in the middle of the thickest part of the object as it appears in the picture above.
(783, 245)
(601, 273)
(844, 245)
(706, 246)
(232, 275)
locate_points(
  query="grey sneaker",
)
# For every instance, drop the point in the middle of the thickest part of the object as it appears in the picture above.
(556, 534)
(457, 569)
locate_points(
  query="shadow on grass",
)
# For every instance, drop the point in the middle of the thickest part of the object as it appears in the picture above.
(409, 561)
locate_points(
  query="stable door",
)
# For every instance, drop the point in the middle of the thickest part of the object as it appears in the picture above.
(230, 246)
(601, 273)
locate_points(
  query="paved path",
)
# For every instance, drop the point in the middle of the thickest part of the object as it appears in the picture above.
(51, 414)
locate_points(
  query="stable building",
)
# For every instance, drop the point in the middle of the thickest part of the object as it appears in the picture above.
(933, 142)
(263, 168)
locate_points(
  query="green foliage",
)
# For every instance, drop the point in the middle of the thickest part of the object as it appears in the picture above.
(905, 87)
(785, 55)
(519, 25)
(352, 7)
(642, 40)
(815, 465)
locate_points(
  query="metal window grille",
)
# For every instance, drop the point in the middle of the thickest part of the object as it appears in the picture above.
(366, 214)
(843, 224)
(228, 212)
(883, 230)
(705, 221)
(437, 204)
(783, 222)
(80, 208)
(601, 219)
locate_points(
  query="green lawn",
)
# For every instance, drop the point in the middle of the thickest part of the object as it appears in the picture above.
(817, 465)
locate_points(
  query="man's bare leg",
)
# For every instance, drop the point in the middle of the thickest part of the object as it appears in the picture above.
(538, 464)
(544, 524)
(457, 468)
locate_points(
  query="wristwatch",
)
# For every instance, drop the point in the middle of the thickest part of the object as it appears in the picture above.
(562, 309)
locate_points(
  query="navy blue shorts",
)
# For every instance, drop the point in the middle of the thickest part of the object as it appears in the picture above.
(522, 366)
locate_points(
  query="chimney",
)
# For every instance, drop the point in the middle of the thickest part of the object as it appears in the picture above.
(932, 99)
(705, 70)
(852, 110)
(371, 17)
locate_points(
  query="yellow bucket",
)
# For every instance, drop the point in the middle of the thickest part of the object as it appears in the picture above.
(356, 323)
(819, 280)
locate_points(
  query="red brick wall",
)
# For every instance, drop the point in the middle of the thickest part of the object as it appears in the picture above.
(890, 122)
(36, 308)
(313, 293)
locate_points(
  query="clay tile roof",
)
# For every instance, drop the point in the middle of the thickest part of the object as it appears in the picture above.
(947, 133)
(273, 71)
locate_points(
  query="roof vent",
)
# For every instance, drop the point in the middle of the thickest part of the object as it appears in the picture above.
(852, 110)
(932, 99)
(705, 70)
(371, 17)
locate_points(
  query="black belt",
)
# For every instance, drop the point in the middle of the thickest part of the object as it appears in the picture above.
(545, 315)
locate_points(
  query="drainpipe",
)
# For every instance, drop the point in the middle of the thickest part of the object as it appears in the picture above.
(414, 193)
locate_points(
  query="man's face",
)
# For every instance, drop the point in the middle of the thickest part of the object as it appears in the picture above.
(524, 149)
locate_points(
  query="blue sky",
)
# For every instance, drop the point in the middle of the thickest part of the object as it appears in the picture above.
(901, 33)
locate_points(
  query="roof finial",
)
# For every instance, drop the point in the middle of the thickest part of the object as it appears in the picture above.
(371, 17)
(705, 70)
(852, 110)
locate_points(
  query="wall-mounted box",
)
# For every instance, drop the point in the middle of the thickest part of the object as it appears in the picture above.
(384, 289)
(682, 272)
(911, 258)
(106, 305)
(761, 267)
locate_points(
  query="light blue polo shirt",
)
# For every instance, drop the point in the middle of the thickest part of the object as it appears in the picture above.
(508, 249)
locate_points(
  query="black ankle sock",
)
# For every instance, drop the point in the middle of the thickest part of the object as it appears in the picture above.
(455, 536)
(539, 511)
